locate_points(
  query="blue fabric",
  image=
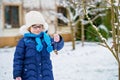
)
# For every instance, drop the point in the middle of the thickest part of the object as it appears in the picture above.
(30, 64)
(39, 47)
(48, 42)
(46, 38)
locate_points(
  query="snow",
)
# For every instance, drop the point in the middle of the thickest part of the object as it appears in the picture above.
(90, 62)
(103, 27)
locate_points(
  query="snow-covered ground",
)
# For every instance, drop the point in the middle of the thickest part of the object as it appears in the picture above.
(91, 62)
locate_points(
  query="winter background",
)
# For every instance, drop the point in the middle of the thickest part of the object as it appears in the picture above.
(90, 62)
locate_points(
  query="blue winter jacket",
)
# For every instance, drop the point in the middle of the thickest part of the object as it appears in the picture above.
(30, 64)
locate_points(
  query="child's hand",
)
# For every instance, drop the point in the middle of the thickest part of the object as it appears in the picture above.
(56, 37)
(18, 78)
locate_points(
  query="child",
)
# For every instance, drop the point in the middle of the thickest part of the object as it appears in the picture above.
(32, 54)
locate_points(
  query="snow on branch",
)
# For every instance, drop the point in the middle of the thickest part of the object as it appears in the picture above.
(84, 22)
(60, 16)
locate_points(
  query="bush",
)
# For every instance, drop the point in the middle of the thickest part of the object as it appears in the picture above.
(91, 34)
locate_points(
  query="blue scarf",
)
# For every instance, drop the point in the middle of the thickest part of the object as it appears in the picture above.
(39, 45)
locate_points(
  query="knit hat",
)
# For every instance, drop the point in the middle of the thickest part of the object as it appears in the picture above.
(31, 18)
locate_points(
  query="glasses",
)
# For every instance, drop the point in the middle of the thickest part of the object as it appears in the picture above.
(37, 26)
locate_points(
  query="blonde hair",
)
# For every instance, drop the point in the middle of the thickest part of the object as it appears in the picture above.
(29, 28)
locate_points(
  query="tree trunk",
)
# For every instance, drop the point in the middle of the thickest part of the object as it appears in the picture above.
(118, 71)
(73, 36)
(82, 34)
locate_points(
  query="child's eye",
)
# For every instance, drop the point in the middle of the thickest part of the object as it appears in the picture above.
(37, 26)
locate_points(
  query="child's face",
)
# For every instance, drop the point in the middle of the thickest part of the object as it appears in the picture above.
(36, 28)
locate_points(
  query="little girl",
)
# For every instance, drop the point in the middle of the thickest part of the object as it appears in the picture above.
(32, 54)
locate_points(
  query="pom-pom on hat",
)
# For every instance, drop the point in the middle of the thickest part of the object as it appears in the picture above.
(31, 18)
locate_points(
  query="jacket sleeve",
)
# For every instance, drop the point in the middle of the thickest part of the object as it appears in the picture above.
(18, 59)
(58, 45)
